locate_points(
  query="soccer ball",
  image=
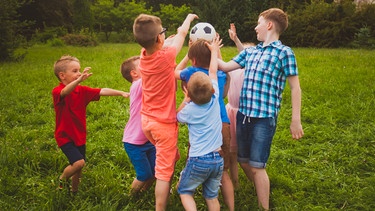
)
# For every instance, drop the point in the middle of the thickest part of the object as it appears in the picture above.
(202, 30)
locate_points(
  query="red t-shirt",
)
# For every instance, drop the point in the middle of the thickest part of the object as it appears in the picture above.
(71, 113)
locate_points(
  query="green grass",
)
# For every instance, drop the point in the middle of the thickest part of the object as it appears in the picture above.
(331, 168)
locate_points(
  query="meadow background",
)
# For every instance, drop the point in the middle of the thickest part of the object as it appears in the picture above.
(331, 168)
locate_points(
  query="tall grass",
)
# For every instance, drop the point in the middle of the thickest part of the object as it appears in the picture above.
(331, 168)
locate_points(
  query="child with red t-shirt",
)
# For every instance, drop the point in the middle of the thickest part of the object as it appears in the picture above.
(70, 100)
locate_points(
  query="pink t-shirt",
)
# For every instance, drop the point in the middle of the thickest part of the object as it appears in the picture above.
(133, 133)
(235, 86)
(159, 85)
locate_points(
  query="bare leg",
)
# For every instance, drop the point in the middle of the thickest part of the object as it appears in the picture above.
(139, 186)
(161, 194)
(261, 182)
(188, 202)
(227, 190)
(76, 179)
(233, 168)
(213, 204)
(70, 170)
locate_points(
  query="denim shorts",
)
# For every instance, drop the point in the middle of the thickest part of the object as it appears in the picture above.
(206, 170)
(74, 153)
(254, 138)
(143, 159)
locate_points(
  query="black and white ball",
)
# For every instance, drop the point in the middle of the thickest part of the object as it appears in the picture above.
(202, 30)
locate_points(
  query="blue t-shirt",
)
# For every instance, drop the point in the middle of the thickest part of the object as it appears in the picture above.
(204, 123)
(221, 78)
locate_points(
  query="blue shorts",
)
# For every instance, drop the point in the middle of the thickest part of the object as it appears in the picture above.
(143, 159)
(206, 170)
(254, 138)
(74, 153)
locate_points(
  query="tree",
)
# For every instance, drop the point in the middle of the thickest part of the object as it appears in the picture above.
(10, 29)
(82, 16)
(173, 16)
(220, 13)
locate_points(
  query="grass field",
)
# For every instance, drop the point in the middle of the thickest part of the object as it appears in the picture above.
(331, 168)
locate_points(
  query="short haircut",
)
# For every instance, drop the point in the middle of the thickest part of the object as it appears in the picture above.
(278, 17)
(200, 89)
(199, 52)
(127, 66)
(146, 29)
(60, 65)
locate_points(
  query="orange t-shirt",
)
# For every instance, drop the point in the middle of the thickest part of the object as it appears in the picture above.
(159, 84)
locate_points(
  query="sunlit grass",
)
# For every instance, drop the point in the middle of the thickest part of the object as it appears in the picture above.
(331, 168)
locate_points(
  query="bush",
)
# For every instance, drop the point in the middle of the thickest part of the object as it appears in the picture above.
(55, 42)
(49, 34)
(79, 40)
(363, 38)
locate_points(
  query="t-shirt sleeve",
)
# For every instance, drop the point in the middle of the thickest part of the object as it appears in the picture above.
(185, 74)
(91, 94)
(289, 63)
(241, 58)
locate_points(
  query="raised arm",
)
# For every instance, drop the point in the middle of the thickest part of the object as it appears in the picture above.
(182, 31)
(71, 86)
(295, 126)
(233, 36)
(214, 48)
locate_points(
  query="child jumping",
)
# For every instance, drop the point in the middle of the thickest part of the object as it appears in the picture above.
(159, 123)
(70, 100)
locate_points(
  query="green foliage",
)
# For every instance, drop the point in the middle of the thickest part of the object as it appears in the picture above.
(79, 40)
(49, 33)
(118, 19)
(363, 39)
(173, 16)
(228, 13)
(56, 42)
(10, 30)
(82, 17)
(321, 24)
(331, 168)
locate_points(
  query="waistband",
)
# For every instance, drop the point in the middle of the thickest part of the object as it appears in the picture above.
(211, 155)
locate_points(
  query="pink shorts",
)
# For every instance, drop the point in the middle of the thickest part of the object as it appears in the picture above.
(164, 137)
(232, 113)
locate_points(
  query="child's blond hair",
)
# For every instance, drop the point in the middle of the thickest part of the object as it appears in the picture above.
(200, 88)
(60, 65)
(146, 29)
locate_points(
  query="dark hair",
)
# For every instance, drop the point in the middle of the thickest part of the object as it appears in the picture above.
(146, 29)
(199, 52)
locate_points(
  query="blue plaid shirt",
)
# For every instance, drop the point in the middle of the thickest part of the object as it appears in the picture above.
(266, 70)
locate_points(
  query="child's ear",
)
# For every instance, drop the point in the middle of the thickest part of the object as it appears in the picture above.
(269, 25)
(193, 62)
(213, 90)
(61, 75)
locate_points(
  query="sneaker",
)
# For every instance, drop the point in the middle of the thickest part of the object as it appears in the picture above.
(63, 184)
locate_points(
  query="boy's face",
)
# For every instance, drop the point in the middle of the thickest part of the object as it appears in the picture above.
(262, 28)
(161, 35)
(137, 73)
(71, 73)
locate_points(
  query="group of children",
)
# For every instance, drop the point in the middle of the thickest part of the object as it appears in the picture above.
(215, 130)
